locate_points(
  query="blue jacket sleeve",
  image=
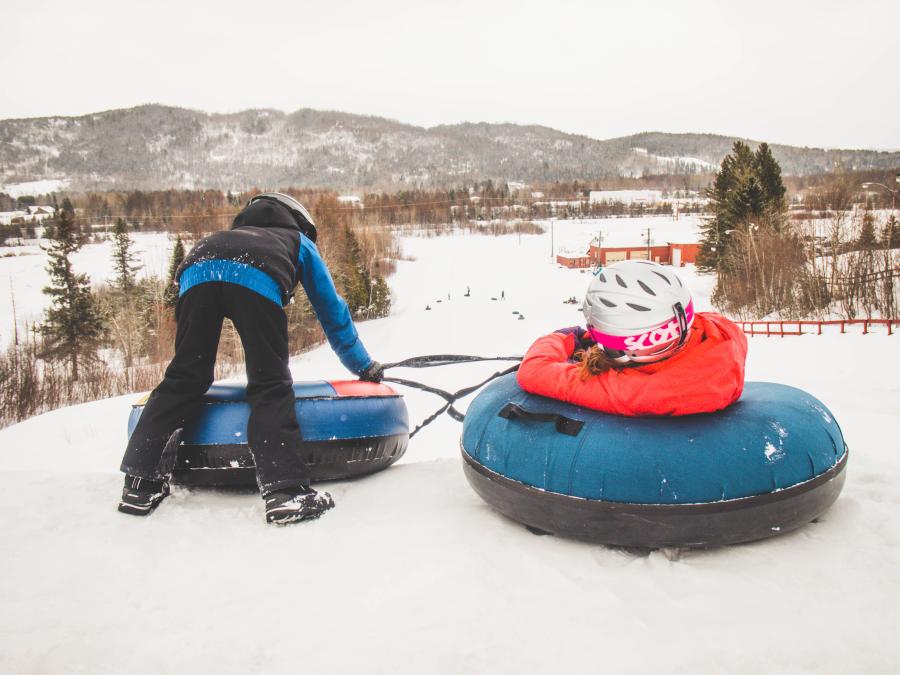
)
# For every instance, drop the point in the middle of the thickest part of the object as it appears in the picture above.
(331, 309)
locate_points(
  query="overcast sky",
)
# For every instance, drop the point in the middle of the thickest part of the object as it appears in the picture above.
(819, 73)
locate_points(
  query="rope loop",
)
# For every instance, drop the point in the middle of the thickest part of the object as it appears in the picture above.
(435, 360)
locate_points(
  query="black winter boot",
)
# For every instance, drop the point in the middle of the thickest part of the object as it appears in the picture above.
(301, 503)
(140, 496)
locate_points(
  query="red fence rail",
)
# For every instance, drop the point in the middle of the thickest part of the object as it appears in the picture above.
(782, 328)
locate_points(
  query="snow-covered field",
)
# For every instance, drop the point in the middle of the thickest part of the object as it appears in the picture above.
(412, 572)
(23, 272)
(23, 275)
(574, 236)
(647, 196)
(34, 187)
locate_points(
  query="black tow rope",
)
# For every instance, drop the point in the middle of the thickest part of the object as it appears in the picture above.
(450, 398)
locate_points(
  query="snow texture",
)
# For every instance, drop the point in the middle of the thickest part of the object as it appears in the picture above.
(412, 571)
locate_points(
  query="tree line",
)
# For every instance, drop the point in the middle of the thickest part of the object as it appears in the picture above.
(192, 211)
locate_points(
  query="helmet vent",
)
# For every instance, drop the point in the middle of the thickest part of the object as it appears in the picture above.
(679, 282)
(608, 303)
(663, 277)
(639, 308)
(602, 278)
(621, 281)
(646, 288)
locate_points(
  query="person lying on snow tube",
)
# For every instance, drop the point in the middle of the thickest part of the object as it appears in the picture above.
(644, 352)
(248, 274)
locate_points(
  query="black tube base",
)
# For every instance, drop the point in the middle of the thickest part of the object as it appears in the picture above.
(232, 465)
(658, 525)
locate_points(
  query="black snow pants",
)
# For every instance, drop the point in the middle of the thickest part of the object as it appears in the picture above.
(272, 432)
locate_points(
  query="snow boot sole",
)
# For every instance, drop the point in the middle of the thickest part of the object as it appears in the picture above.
(137, 502)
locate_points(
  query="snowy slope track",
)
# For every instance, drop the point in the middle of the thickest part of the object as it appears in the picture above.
(412, 572)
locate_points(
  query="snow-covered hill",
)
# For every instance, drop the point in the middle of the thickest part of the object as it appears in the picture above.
(412, 572)
(159, 147)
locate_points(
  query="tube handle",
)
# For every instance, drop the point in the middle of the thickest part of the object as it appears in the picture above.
(564, 425)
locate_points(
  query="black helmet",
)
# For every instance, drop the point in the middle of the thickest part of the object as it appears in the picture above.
(301, 215)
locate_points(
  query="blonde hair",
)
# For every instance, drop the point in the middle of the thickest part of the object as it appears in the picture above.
(595, 361)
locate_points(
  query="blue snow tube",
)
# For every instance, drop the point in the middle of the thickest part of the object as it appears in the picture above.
(350, 428)
(769, 463)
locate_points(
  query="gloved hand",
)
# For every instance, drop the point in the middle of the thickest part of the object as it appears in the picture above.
(374, 373)
(583, 339)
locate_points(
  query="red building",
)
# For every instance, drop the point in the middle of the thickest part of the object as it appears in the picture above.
(674, 254)
(583, 261)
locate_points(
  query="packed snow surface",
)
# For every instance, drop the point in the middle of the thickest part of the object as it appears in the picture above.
(412, 572)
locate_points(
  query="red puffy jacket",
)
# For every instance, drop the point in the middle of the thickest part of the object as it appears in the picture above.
(707, 374)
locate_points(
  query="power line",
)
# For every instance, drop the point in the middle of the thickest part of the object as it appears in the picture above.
(358, 209)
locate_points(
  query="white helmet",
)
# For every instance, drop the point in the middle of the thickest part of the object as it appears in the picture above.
(638, 311)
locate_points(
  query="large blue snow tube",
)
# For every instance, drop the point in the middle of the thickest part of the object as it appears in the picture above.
(349, 428)
(768, 464)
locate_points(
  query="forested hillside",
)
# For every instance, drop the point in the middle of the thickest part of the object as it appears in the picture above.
(155, 147)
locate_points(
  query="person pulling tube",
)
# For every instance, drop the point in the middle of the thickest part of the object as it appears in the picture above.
(247, 274)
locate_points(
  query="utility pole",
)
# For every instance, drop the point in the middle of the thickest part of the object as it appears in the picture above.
(648, 242)
(552, 244)
(893, 193)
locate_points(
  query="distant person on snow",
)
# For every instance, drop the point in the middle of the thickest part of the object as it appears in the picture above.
(644, 352)
(248, 274)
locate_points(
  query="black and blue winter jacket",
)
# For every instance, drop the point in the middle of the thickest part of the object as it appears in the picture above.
(265, 251)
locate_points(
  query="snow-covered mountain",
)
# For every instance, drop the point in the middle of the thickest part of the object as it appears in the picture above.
(154, 147)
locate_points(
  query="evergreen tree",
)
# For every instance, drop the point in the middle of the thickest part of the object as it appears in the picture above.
(171, 292)
(748, 189)
(890, 236)
(74, 323)
(123, 306)
(355, 276)
(714, 227)
(124, 259)
(745, 202)
(867, 240)
(768, 173)
(364, 289)
(381, 298)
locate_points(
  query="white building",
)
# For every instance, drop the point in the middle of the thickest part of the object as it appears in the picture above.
(41, 212)
(626, 196)
(31, 215)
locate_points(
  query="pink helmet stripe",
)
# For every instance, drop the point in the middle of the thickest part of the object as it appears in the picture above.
(646, 340)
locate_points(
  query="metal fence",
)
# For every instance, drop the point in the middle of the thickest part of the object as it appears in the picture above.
(782, 328)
